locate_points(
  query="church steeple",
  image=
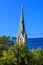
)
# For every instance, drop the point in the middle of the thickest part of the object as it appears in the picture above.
(22, 21)
(22, 17)
(22, 36)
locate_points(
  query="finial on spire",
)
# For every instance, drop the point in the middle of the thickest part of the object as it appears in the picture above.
(21, 7)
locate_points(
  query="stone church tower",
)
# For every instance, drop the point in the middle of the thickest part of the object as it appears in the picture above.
(22, 36)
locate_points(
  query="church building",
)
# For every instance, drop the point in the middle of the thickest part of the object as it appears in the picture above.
(22, 36)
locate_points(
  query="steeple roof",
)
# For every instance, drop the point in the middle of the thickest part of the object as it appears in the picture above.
(22, 28)
(22, 17)
(22, 36)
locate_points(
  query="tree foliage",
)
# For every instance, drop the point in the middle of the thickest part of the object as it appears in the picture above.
(18, 54)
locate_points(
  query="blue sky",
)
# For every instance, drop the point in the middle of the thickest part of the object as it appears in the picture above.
(10, 17)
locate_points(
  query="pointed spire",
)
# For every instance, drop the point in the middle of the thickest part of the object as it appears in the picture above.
(22, 36)
(22, 17)
(22, 28)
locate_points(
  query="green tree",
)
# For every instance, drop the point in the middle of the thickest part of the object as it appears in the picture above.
(19, 54)
(4, 39)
